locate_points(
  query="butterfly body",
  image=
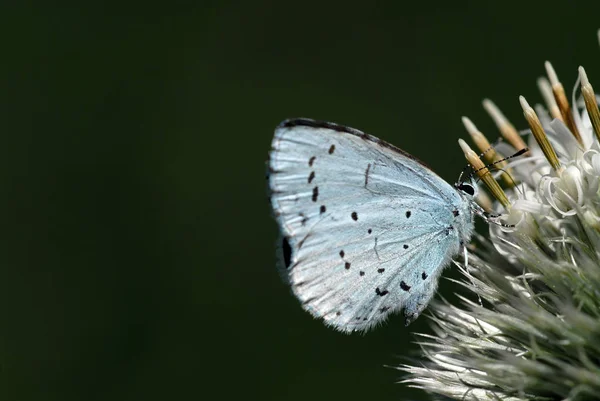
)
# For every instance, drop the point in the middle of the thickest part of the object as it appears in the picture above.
(367, 228)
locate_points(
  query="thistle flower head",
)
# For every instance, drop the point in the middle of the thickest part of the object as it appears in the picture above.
(535, 334)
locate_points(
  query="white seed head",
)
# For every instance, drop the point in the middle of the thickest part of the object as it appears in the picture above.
(535, 336)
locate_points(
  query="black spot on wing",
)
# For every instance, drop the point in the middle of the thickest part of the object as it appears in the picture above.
(380, 270)
(424, 276)
(455, 213)
(367, 174)
(347, 265)
(361, 273)
(354, 216)
(369, 231)
(315, 194)
(311, 161)
(408, 213)
(404, 286)
(287, 252)
(381, 293)
(311, 177)
(322, 209)
(304, 218)
(342, 253)
(331, 149)
(405, 246)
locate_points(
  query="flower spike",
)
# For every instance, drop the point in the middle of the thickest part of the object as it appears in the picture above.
(539, 134)
(546, 91)
(489, 153)
(508, 131)
(590, 102)
(561, 100)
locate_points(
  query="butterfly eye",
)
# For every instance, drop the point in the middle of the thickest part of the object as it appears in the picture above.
(466, 188)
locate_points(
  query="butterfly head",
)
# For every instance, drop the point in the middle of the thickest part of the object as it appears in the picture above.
(466, 209)
(467, 187)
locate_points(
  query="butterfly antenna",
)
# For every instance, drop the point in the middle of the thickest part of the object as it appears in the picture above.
(468, 166)
(462, 173)
(495, 167)
(517, 154)
(492, 146)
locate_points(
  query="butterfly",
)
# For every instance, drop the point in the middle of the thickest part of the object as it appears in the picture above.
(366, 228)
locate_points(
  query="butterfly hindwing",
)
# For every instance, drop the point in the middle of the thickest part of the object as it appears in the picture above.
(367, 228)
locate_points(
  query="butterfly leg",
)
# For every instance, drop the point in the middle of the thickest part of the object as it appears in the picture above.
(466, 256)
(489, 218)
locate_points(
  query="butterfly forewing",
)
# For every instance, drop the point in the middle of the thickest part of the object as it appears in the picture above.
(367, 228)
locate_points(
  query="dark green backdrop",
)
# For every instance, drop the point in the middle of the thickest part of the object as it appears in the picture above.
(137, 248)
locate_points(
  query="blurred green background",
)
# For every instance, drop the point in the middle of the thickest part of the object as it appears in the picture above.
(137, 254)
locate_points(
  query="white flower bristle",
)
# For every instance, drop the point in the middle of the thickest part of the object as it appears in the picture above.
(535, 336)
(551, 74)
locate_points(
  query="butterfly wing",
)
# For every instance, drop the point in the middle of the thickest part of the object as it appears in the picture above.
(367, 228)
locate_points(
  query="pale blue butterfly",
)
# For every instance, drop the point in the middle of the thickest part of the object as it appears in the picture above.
(367, 228)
